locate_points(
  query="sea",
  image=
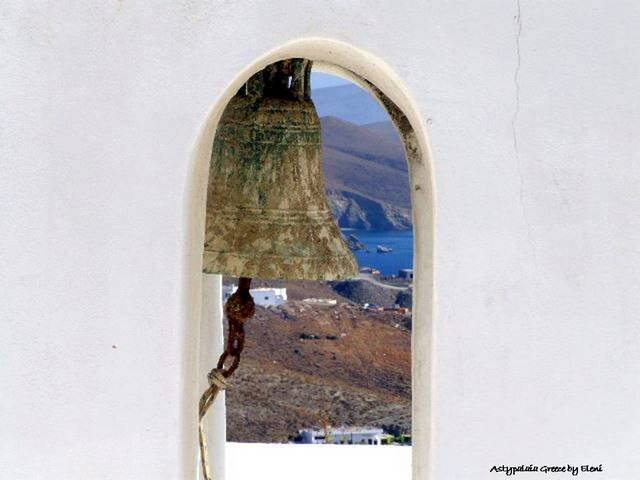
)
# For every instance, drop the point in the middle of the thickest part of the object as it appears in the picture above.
(388, 263)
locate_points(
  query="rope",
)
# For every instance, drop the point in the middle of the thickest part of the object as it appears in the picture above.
(217, 382)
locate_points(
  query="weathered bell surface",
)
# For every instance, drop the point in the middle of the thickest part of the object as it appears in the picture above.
(267, 214)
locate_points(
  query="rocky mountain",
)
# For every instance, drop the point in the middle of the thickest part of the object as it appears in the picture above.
(366, 175)
(385, 129)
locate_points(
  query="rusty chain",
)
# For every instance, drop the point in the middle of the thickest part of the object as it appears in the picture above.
(238, 309)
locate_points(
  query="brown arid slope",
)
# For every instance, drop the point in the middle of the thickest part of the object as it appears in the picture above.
(366, 175)
(307, 365)
(374, 142)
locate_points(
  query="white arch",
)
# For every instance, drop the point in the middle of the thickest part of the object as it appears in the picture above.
(373, 74)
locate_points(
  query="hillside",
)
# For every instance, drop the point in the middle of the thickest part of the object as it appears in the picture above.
(355, 370)
(385, 129)
(366, 175)
(377, 142)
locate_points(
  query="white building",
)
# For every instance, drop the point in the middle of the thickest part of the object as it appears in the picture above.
(263, 296)
(321, 302)
(343, 436)
(406, 273)
(521, 124)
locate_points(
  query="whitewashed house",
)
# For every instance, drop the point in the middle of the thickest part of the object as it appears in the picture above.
(263, 296)
(406, 273)
(343, 436)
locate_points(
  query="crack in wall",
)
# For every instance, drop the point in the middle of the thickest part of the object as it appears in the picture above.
(514, 129)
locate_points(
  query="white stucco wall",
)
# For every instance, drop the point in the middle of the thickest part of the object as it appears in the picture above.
(337, 461)
(532, 112)
(211, 346)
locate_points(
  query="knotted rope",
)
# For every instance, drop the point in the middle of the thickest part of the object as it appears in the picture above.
(217, 382)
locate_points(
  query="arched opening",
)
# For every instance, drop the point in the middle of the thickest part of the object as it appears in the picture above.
(204, 314)
(329, 361)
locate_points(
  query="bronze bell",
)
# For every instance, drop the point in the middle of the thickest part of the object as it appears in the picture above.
(267, 214)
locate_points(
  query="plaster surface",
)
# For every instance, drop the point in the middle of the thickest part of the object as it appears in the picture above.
(211, 337)
(317, 462)
(532, 110)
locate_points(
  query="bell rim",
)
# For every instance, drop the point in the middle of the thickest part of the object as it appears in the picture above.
(346, 268)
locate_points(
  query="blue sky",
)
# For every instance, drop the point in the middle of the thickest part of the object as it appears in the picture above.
(323, 80)
(352, 103)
